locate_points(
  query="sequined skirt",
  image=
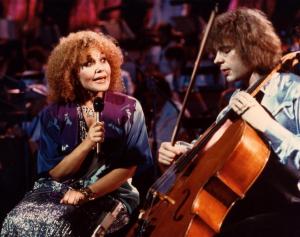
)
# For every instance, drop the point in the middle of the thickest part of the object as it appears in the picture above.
(41, 214)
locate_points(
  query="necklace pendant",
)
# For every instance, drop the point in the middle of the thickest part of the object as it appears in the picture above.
(90, 113)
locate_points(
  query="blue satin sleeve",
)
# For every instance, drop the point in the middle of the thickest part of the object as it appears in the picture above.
(282, 100)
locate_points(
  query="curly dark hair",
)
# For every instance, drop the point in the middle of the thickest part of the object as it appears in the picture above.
(67, 57)
(251, 34)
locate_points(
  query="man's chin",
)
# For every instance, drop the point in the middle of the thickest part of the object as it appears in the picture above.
(230, 79)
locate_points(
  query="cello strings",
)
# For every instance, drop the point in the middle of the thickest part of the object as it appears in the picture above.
(185, 159)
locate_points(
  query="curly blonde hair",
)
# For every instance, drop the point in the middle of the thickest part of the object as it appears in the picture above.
(66, 58)
(251, 34)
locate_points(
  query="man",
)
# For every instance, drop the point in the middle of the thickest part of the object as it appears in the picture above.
(247, 48)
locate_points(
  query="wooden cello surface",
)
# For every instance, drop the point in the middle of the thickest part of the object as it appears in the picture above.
(208, 186)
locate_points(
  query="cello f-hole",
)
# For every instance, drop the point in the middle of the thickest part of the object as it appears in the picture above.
(177, 216)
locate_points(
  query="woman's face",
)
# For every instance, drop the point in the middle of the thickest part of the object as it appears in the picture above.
(94, 74)
(231, 64)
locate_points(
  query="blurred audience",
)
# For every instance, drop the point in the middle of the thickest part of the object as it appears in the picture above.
(163, 12)
(83, 15)
(111, 22)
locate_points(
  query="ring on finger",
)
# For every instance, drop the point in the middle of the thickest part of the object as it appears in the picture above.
(245, 110)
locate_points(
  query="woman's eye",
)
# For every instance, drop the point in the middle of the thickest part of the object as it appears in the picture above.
(87, 64)
(103, 60)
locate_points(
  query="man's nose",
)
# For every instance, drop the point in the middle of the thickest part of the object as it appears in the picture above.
(218, 58)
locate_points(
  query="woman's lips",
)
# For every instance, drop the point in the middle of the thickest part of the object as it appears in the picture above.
(100, 79)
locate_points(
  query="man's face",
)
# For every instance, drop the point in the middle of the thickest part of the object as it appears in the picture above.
(231, 64)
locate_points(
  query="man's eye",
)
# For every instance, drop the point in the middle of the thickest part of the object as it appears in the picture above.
(226, 49)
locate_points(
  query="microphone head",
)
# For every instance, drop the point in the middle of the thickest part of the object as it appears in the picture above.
(98, 104)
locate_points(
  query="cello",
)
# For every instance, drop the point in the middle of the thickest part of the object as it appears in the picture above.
(196, 193)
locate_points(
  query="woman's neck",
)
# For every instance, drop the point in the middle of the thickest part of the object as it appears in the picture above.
(89, 101)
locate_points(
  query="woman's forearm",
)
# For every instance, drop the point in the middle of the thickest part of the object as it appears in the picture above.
(72, 162)
(112, 181)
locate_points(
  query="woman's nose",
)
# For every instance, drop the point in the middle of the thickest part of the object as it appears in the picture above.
(99, 68)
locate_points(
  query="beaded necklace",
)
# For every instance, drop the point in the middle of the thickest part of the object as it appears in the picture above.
(90, 112)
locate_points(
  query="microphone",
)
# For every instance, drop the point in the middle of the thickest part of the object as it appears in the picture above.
(98, 104)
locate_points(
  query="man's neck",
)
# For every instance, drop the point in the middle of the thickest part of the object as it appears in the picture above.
(254, 78)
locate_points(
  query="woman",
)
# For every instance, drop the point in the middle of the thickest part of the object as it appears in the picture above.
(247, 49)
(79, 189)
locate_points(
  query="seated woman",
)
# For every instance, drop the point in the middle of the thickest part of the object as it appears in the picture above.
(82, 191)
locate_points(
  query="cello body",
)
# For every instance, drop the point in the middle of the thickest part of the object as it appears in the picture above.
(208, 186)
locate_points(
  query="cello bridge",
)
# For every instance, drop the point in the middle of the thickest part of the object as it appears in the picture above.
(164, 197)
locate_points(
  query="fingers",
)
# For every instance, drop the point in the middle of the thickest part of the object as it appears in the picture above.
(251, 111)
(97, 132)
(167, 152)
(168, 149)
(72, 197)
(166, 160)
(241, 102)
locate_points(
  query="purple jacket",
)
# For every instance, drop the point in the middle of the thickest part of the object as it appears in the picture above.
(126, 140)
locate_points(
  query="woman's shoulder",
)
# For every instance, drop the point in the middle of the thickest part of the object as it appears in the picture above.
(121, 107)
(59, 110)
(120, 99)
